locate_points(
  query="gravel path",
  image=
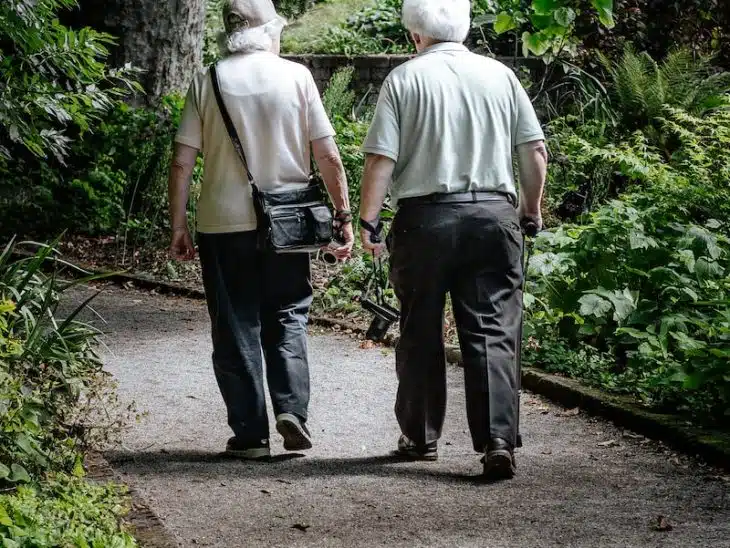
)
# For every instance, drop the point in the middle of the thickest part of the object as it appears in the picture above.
(581, 482)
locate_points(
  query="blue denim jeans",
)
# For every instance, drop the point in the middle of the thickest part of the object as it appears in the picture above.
(259, 306)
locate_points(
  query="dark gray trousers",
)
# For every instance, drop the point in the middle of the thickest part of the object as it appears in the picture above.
(257, 301)
(472, 251)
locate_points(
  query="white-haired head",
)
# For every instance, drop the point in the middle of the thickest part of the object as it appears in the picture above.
(439, 20)
(250, 25)
(263, 38)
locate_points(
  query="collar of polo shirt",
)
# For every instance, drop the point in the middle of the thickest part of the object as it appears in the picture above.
(444, 46)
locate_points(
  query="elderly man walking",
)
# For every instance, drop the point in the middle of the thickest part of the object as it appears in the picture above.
(257, 299)
(442, 141)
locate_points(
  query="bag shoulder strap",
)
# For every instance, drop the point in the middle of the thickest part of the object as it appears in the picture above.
(228, 122)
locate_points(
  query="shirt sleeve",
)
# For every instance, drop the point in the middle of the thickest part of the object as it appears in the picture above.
(319, 123)
(384, 134)
(526, 127)
(190, 131)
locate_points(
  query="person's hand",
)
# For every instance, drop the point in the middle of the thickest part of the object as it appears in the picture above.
(181, 247)
(344, 250)
(530, 221)
(369, 245)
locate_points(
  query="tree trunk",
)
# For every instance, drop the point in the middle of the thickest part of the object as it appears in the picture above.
(164, 38)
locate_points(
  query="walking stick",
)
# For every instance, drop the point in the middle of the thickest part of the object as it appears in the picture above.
(529, 230)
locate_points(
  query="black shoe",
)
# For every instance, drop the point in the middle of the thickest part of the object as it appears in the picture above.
(295, 434)
(408, 449)
(247, 450)
(499, 461)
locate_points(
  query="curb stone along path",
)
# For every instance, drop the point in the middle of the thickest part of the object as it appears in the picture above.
(146, 526)
(712, 446)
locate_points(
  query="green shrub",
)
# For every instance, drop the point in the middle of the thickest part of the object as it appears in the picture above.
(373, 29)
(66, 511)
(649, 290)
(113, 175)
(46, 363)
(635, 297)
(683, 160)
(55, 82)
(51, 382)
(641, 88)
(382, 22)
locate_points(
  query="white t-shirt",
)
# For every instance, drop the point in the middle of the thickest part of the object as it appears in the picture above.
(450, 119)
(277, 112)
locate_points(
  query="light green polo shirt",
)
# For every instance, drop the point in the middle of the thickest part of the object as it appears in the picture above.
(451, 119)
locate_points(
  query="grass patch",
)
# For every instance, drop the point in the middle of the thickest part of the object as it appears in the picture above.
(301, 36)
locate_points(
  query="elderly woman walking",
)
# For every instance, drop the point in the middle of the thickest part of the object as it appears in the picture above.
(258, 300)
(442, 141)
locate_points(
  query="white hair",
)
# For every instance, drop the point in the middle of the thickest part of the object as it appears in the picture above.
(248, 40)
(443, 20)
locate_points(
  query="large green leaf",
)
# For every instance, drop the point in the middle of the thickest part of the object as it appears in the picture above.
(4, 517)
(504, 23)
(622, 302)
(605, 12)
(536, 43)
(545, 7)
(4, 473)
(18, 474)
(564, 16)
(593, 305)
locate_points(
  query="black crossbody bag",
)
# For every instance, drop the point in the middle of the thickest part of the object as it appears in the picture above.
(291, 221)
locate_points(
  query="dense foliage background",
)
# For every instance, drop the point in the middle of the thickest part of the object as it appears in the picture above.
(628, 289)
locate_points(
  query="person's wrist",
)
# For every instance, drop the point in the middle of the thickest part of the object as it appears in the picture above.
(343, 216)
(179, 228)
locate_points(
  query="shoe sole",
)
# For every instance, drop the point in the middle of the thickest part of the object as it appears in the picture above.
(295, 438)
(262, 453)
(408, 455)
(499, 465)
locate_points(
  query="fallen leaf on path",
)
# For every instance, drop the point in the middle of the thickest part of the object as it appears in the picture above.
(265, 492)
(662, 524)
(609, 443)
(544, 410)
(284, 481)
(301, 526)
(569, 412)
(193, 397)
(632, 436)
(367, 344)
(547, 452)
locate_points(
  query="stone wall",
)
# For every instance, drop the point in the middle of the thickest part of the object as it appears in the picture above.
(370, 70)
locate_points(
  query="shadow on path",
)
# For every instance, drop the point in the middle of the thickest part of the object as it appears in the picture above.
(293, 465)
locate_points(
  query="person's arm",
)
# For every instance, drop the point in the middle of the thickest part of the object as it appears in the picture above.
(529, 140)
(328, 160)
(376, 179)
(178, 186)
(381, 148)
(533, 159)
